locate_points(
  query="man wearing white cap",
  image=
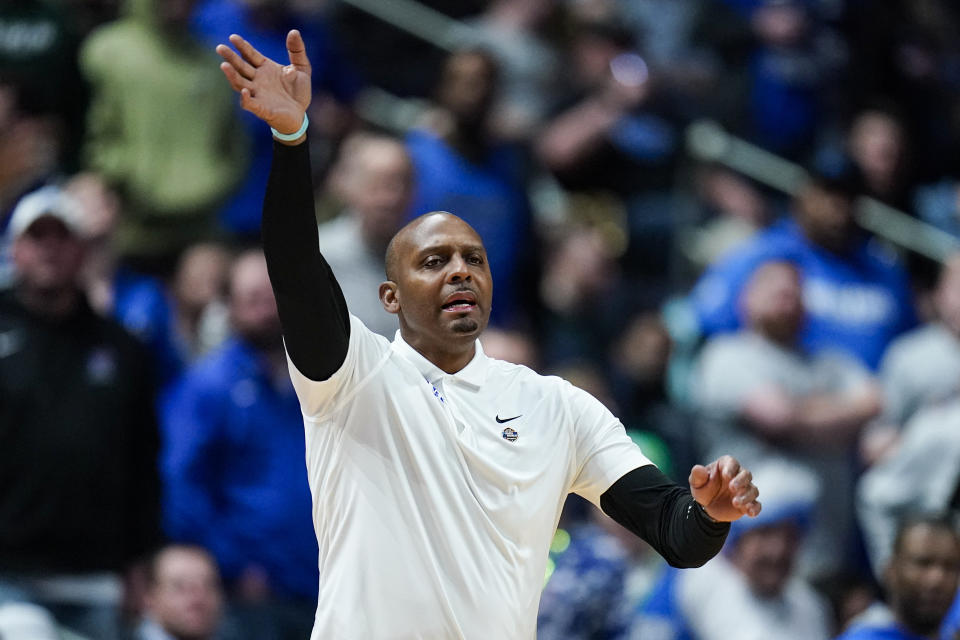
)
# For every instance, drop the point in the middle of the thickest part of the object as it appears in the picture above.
(77, 424)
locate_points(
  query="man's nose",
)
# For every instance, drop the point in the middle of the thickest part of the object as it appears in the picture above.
(458, 269)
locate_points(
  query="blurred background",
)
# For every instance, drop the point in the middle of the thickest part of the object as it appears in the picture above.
(735, 222)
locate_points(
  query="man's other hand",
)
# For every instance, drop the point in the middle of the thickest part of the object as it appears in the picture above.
(724, 489)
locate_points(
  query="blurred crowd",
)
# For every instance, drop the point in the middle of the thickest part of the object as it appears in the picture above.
(152, 483)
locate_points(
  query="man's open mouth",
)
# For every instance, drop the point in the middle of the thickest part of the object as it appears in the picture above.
(460, 301)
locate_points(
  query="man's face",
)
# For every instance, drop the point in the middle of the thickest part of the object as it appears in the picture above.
(175, 13)
(186, 597)
(876, 144)
(201, 277)
(774, 301)
(947, 295)
(253, 309)
(443, 286)
(467, 87)
(47, 255)
(765, 557)
(826, 217)
(380, 189)
(923, 577)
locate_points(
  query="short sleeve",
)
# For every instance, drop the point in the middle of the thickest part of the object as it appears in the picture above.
(604, 451)
(366, 353)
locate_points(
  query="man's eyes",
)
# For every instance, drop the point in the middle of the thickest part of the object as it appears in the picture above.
(436, 261)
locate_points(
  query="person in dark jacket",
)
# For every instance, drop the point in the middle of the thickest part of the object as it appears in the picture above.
(78, 438)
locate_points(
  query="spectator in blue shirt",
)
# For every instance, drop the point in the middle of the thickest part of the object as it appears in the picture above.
(460, 169)
(921, 580)
(857, 298)
(137, 301)
(233, 469)
(951, 624)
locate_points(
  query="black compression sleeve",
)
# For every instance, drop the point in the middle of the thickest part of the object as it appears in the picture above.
(665, 515)
(316, 326)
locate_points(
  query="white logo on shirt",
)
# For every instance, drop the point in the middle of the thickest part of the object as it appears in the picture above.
(849, 303)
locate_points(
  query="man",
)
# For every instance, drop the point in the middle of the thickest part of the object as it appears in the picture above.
(232, 465)
(374, 179)
(180, 150)
(140, 303)
(184, 599)
(921, 579)
(761, 395)
(857, 298)
(438, 474)
(78, 460)
(752, 591)
(460, 168)
(922, 367)
(923, 473)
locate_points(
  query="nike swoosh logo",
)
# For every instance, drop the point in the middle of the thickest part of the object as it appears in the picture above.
(507, 419)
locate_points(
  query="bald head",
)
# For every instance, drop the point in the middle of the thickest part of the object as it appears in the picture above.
(417, 234)
(439, 287)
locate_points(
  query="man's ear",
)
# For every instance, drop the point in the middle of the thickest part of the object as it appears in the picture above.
(390, 297)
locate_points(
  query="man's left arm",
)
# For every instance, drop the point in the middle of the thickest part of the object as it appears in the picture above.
(686, 526)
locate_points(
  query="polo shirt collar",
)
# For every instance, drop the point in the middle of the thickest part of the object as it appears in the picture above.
(473, 375)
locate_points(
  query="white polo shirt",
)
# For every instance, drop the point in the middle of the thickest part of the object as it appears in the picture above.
(436, 496)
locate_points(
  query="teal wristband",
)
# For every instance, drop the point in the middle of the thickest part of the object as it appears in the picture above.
(290, 137)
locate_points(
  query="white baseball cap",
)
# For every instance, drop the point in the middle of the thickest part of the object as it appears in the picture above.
(47, 201)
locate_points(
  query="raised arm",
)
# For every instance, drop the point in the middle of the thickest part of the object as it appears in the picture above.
(313, 312)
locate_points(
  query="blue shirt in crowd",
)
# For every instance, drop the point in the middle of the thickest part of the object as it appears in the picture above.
(890, 631)
(585, 595)
(143, 307)
(233, 469)
(489, 196)
(660, 615)
(856, 302)
(951, 624)
(213, 21)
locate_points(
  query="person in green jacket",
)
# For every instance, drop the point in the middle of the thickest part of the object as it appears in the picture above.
(162, 128)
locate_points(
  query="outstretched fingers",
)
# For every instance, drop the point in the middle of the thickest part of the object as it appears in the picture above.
(247, 50)
(237, 81)
(231, 57)
(298, 52)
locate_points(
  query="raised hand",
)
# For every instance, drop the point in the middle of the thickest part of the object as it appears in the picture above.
(278, 95)
(725, 490)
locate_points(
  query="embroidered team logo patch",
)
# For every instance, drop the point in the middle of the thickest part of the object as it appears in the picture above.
(510, 435)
